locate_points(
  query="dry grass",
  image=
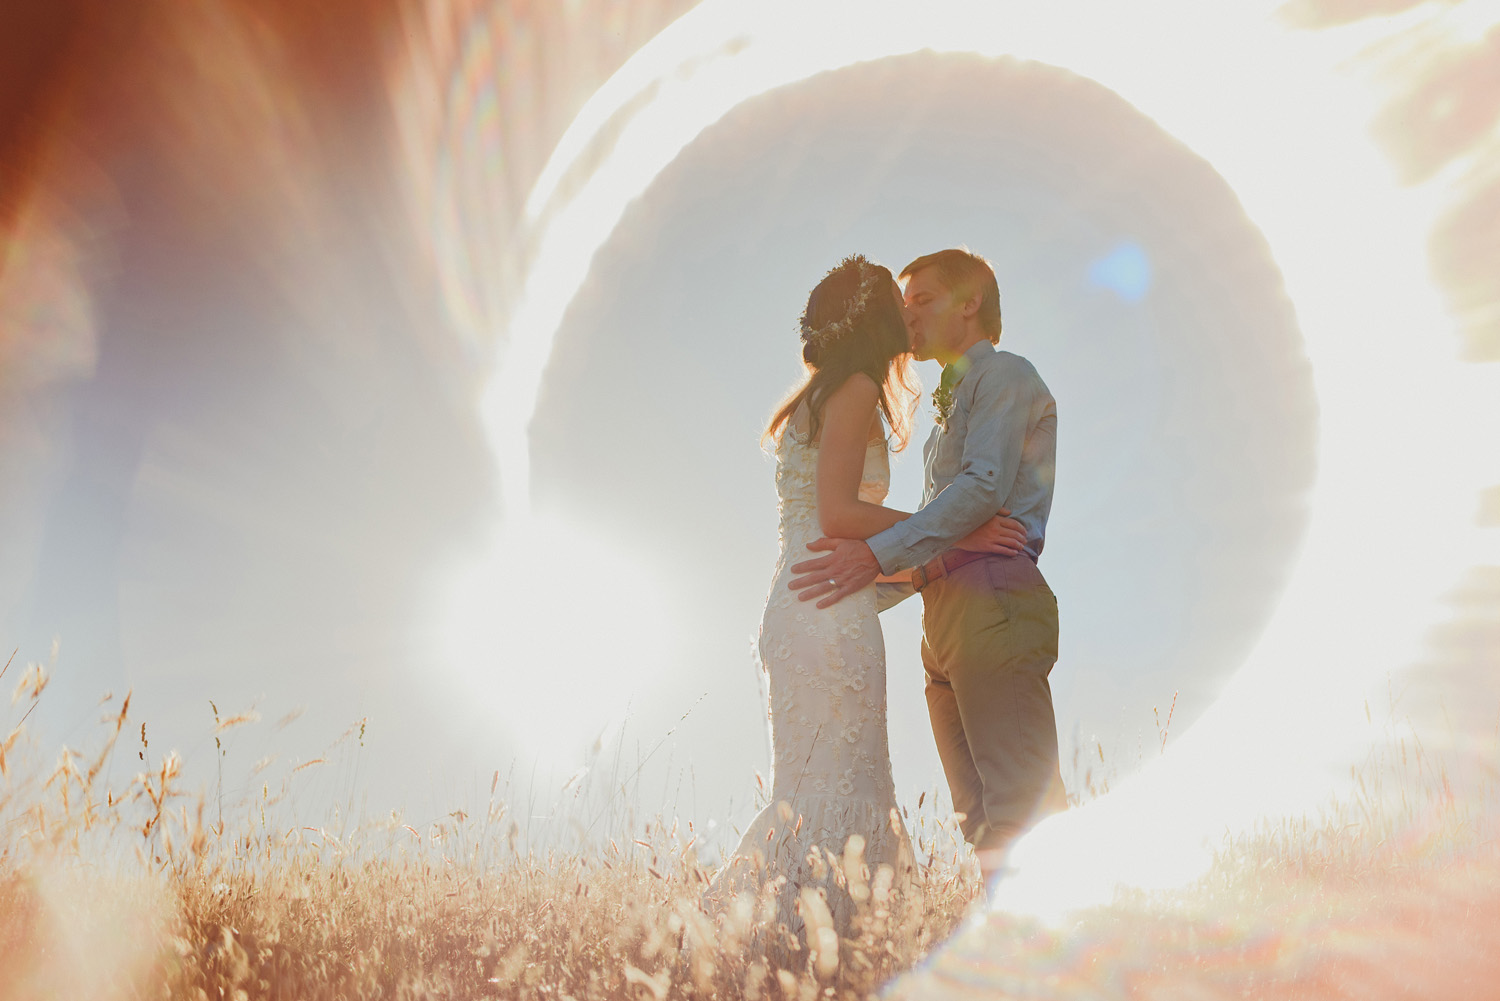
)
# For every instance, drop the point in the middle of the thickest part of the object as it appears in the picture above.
(128, 893)
(301, 916)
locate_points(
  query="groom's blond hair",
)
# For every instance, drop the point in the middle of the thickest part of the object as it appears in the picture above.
(964, 273)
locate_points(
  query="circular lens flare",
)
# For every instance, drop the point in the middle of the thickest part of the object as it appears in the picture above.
(1350, 243)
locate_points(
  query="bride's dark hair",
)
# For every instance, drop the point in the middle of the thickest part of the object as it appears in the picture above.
(834, 348)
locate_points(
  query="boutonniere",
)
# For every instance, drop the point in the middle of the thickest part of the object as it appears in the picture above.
(942, 397)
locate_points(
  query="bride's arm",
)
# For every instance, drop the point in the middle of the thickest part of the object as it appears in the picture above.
(847, 418)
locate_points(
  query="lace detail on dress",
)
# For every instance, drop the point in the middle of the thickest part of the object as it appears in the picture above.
(831, 763)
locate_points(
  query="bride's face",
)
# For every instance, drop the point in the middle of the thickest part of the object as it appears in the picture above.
(901, 309)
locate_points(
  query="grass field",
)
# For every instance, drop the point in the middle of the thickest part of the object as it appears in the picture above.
(130, 892)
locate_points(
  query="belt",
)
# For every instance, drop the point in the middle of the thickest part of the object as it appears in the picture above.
(943, 564)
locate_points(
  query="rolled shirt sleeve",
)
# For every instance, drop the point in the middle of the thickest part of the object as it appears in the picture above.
(889, 593)
(999, 412)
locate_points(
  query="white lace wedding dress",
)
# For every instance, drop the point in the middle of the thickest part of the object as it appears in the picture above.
(831, 768)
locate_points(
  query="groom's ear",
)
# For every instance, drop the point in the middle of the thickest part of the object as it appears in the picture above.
(970, 307)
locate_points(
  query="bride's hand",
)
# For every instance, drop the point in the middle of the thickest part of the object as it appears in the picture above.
(1000, 534)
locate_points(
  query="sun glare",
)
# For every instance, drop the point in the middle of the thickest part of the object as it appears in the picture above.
(555, 630)
(1281, 119)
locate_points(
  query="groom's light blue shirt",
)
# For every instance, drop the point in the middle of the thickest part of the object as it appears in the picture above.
(997, 450)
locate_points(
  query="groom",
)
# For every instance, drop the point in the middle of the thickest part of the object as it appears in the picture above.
(989, 622)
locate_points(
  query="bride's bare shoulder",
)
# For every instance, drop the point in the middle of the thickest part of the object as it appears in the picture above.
(854, 396)
(859, 389)
(857, 398)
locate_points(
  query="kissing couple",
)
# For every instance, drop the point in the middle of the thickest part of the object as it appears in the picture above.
(989, 620)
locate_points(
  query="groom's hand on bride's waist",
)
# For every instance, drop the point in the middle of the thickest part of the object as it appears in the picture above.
(849, 566)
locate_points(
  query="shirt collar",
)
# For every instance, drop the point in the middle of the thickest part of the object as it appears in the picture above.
(978, 351)
(960, 366)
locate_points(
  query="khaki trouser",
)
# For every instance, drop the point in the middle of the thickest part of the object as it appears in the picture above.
(989, 640)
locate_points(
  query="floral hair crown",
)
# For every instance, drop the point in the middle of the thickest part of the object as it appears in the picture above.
(854, 308)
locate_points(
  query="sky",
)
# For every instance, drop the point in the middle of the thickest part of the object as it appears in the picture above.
(260, 279)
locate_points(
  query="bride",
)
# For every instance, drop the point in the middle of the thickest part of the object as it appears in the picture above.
(831, 769)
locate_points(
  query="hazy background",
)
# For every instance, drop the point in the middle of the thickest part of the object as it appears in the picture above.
(239, 444)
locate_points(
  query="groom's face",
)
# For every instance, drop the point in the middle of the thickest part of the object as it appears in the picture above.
(934, 321)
